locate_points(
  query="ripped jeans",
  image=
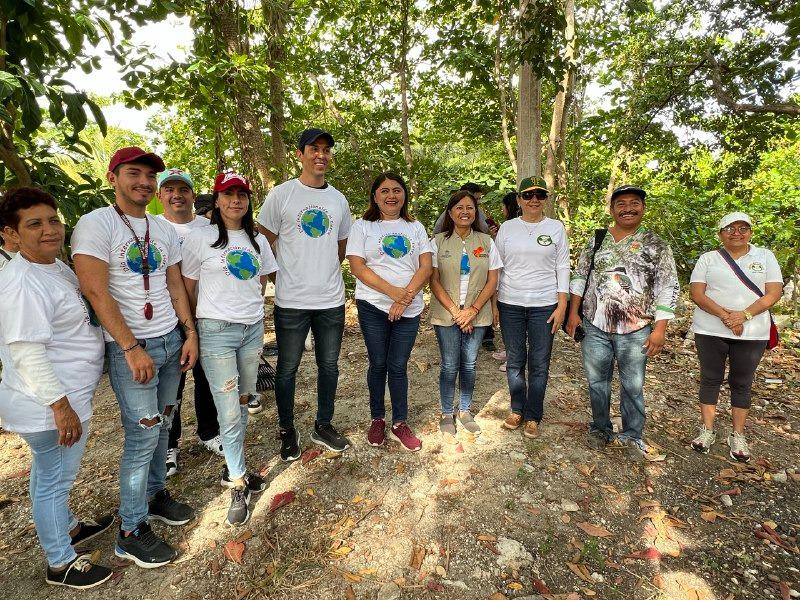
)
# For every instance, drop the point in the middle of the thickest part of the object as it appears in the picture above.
(143, 471)
(229, 353)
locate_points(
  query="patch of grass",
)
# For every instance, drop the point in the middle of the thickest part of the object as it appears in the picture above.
(593, 555)
(547, 544)
(524, 476)
(510, 504)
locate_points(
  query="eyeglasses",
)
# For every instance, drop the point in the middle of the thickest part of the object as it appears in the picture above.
(735, 229)
(531, 194)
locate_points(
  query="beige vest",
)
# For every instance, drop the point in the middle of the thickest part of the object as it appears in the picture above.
(448, 260)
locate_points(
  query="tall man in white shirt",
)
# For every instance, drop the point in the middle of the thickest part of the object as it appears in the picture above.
(128, 268)
(310, 220)
(176, 194)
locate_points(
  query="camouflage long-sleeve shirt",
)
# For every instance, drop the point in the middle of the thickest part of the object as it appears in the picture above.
(634, 282)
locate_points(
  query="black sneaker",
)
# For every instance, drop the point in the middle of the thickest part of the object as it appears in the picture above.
(80, 574)
(489, 345)
(254, 482)
(597, 440)
(290, 444)
(144, 548)
(89, 529)
(239, 511)
(171, 512)
(326, 435)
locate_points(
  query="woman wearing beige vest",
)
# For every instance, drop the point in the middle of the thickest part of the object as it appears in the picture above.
(465, 270)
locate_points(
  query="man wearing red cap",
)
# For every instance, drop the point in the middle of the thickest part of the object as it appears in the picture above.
(128, 267)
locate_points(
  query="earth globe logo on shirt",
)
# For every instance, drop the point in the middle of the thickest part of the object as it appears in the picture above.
(133, 258)
(242, 264)
(395, 245)
(314, 222)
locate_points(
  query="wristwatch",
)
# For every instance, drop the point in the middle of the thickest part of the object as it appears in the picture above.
(747, 315)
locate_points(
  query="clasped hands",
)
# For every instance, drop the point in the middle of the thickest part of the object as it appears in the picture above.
(733, 320)
(402, 297)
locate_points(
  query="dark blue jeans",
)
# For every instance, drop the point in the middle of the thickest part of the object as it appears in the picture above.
(600, 350)
(291, 329)
(459, 352)
(528, 340)
(389, 345)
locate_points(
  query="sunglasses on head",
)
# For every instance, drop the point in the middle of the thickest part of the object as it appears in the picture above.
(531, 194)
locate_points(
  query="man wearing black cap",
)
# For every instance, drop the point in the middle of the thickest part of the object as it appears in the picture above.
(128, 267)
(627, 287)
(310, 220)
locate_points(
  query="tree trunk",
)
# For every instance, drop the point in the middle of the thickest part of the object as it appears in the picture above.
(248, 129)
(529, 118)
(275, 14)
(409, 157)
(501, 85)
(555, 172)
(8, 152)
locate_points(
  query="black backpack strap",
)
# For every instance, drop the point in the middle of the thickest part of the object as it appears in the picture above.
(5, 254)
(599, 236)
(739, 273)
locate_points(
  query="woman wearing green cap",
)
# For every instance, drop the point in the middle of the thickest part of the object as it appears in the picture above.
(733, 287)
(532, 300)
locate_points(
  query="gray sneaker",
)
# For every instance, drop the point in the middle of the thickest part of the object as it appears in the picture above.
(447, 425)
(597, 439)
(239, 511)
(468, 422)
(704, 440)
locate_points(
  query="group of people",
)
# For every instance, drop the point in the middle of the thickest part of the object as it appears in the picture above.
(160, 296)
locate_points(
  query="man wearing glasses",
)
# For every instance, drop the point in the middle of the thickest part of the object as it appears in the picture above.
(308, 220)
(627, 286)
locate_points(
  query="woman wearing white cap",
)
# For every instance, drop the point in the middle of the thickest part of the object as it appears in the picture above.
(733, 287)
(225, 267)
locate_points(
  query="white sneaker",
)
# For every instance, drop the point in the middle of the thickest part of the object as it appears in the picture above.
(738, 445)
(704, 440)
(214, 445)
(172, 462)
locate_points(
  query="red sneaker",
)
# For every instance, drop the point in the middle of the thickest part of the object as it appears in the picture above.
(377, 432)
(403, 434)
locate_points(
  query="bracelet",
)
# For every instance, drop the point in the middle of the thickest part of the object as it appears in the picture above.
(747, 315)
(131, 348)
(475, 308)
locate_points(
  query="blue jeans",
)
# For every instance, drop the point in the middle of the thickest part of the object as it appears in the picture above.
(53, 472)
(291, 328)
(229, 353)
(459, 352)
(389, 345)
(143, 470)
(529, 341)
(600, 350)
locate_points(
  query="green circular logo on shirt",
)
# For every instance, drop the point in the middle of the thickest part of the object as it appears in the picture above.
(544, 240)
(756, 267)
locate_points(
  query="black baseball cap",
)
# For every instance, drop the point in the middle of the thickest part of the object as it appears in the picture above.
(203, 203)
(311, 135)
(628, 189)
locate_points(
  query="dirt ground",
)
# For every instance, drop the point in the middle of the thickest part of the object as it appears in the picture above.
(494, 517)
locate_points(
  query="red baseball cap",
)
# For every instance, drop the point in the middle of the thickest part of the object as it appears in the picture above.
(223, 181)
(131, 154)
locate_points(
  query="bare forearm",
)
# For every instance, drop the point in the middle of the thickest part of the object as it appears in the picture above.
(419, 280)
(708, 305)
(575, 304)
(487, 292)
(110, 317)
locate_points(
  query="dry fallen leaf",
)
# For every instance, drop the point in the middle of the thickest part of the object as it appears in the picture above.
(514, 586)
(487, 538)
(342, 551)
(349, 593)
(233, 551)
(581, 571)
(594, 530)
(649, 554)
(244, 536)
(351, 577)
(280, 500)
(540, 586)
(497, 596)
(310, 455)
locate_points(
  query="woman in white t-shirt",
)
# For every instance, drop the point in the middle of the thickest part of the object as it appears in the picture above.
(532, 301)
(465, 272)
(732, 324)
(53, 358)
(390, 256)
(225, 267)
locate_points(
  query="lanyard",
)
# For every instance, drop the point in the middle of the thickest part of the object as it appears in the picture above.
(144, 252)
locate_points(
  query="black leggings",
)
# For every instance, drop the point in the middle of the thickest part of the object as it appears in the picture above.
(744, 356)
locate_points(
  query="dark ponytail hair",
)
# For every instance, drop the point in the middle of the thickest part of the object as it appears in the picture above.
(248, 224)
(449, 226)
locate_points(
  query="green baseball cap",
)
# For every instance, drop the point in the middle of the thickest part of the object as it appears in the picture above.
(175, 175)
(536, 183)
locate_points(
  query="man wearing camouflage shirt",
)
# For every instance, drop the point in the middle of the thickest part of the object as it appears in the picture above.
(630, 295)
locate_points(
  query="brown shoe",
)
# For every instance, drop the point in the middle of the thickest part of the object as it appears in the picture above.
(513, 421)
(531, 429)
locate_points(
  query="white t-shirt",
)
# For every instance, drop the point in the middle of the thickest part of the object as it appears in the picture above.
(229, 278)
(309, 223)
(102, 234)
(184, 229)
(495, 263)
(535, 262)
(725, 288)
(42, 304)
(3, 260)
(391, 249)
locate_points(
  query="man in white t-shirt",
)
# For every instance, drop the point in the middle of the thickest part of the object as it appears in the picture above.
(128, 267)
(310, 220)
(176, 194)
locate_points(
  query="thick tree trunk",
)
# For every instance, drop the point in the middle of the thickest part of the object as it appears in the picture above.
(529, 118)
(403, 68)
(501, 86)
(247, 126)
(275, 15)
